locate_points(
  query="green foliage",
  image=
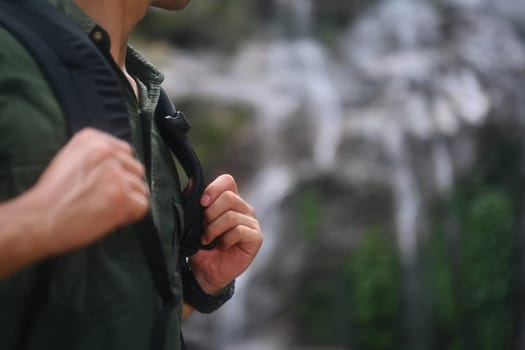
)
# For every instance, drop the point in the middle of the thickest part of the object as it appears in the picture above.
(334, 16)
(488, 250)
(471, 292)
(441, 280)
(203, 23)
(376, 293)
(225, 23)
(472, 250)
(360, 302)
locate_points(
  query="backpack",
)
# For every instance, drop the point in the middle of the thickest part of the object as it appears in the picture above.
(88, 90)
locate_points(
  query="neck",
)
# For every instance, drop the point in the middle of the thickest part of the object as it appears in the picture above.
(118, 18)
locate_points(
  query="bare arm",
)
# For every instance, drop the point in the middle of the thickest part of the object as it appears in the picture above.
(93, 185)
(22, 237)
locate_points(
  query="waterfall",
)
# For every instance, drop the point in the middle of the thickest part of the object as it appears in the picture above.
(267, 190)
(406, 194)
(321, 96)
(306, 62)
(442, 167)
(414, 96)
(407, 203)
(324, 104)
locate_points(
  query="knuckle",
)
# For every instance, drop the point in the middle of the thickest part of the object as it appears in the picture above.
(113, 171)
(231, 217)
(126, 146)
(140, 168)
(83, 137)
(244, 230)
(231, 196)
(98, 151)
(138, 210)
(254, 223)
(86, 133)
(115, 196)
(251, 211)
(102, 147)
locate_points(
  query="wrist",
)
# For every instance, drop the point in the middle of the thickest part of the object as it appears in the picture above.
(200, 300)
(208, 287)
(39, 218)
(24, 235)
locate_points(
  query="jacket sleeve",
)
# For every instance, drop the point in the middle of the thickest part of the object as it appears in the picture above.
(32, 125)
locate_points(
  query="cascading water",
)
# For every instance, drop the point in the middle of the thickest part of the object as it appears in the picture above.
(323, 100)
(308, 61)
(395, 122)
(408, 202)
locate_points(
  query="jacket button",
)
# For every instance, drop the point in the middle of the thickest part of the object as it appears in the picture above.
(97, 36)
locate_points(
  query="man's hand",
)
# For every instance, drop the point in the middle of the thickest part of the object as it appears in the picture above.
(93, 185)
(226, 215)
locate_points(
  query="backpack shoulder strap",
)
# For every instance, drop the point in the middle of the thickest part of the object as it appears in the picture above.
(174, 126)
(89, 93)
(87, 90)
(78, 73)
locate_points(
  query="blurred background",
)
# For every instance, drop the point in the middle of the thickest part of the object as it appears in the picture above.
(382, 144)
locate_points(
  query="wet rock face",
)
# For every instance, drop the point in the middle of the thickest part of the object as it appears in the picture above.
(343, 139)
(438, 61)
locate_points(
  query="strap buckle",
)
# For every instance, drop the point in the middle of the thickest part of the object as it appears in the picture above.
(178, 122)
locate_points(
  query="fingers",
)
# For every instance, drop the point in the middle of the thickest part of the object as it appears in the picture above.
(221, 184)
(139, 206)
(246, 238)
(131, 165)
(101, 146)
(119, 171)
(227, 222)
(227, 216)
(90, 135)
(126, 194)
(225, 209)
(227, 201)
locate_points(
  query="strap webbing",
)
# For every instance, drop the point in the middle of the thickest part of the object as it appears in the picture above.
(173, 127)
(78, 73)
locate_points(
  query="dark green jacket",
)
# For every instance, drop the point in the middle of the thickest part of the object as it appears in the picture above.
(101, 297)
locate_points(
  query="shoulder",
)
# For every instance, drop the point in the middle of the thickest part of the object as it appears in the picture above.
(25, 95)
(32, 125)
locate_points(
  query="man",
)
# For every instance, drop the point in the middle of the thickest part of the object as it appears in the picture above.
(75, 200)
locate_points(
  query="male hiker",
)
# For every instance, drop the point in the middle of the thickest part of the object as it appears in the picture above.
(75, 200)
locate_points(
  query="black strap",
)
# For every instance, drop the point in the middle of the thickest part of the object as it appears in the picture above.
(173, 126)
(78, 73)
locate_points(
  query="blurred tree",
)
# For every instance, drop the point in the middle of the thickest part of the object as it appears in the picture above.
(225, 23)
(359, 304)
(334, 16)
(375, 293)
(219, 24)
(472, 251)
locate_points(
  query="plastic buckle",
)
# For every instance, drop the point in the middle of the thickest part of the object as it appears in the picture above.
(179, 122)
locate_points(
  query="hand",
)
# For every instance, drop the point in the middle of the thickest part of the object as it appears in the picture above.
(229, 217)
(93, 185)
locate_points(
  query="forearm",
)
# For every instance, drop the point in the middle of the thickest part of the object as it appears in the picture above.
(22, 233)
